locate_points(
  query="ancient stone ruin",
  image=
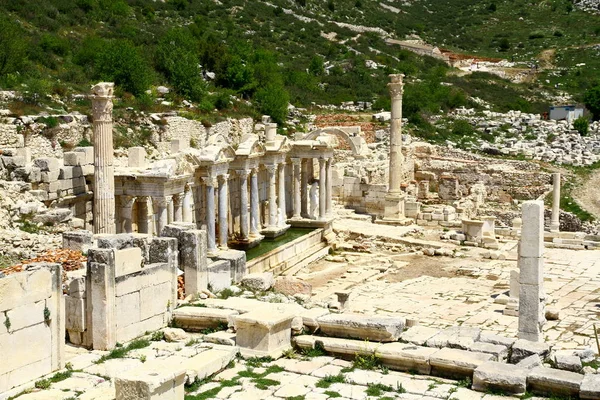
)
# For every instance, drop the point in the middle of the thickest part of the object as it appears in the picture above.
(260, 265)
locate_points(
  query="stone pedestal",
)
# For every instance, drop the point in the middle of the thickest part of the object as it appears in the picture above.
(555, 222)
(265, 332)
(104, 176)
(531, 272)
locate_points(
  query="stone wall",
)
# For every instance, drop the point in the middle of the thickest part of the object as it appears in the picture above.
(32, 324)
(130, 288)
(361, 197)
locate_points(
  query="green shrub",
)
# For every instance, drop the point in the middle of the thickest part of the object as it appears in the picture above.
(120, 61)
(273, 100)
(581, 125)
(592, 101)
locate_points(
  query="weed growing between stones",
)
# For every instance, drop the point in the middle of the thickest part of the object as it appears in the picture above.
(465, 383)
(317, 351)
(192, 342)
(369, 362)
(157, 336)
(221, 327)
(290, 354)
(326, 382)
(59, 376)
(258, 361)
(332, 394)
(264, 383)
(121, 351)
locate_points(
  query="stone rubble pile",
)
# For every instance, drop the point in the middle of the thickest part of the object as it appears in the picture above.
(592, 6)
(517, 133)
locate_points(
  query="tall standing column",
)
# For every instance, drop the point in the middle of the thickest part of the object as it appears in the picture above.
(223, 211)
(531, 272)
(329, 193)
(188, 200)
(210, 184)
(322, 188)
(104, 176)
(555, 222)
(296, 163)
(170, 209)
(243, 174)
(395, 169)
(126, 213)
(254, 214)
(271, 170)
(304, 189)
(177, 208)
(162, 218)
(281, 200)
(142, 214)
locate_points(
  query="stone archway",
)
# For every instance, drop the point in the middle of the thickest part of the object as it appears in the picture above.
(357, 143)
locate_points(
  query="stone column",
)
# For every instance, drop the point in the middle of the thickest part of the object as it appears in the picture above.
(282, 213)
(254, 213)
(555, 222)
(104, 176)
(395, 169)
(531, 272)
(142, 214)
(187, 202)
(322, 189)
(329, 193)
(271, 169)
(126, 213)
(304, 189)
(243, 174)
(162, 217)
(223, 211)
(210, 214)
(296, 162)
(177, 208)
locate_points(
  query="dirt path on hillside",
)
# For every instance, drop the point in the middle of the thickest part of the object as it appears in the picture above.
(546, 58)
(587, 194)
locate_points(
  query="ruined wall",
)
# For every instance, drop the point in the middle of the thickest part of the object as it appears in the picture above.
(32, 324)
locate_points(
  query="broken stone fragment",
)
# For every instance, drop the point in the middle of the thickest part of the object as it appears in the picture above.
(260, 281)
(379, 329)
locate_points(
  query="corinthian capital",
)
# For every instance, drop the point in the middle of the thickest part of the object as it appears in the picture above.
(102, 94)
(396, 85)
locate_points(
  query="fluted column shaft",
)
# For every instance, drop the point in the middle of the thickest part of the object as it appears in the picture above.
(104, 177)
(329, 193)
(555, 222)
(244, 221)
(177, 208)
(223, 210)
(322, 188)
(271, 170)
(187, 202)
(396, 87)
(142, 214)
(162, 218)
(297, 163)
(254, 214)
(304, 189)
(126, 213)
(210, 214)
(281, 198)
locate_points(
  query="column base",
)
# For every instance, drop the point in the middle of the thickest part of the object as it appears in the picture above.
(394, 206)
(274, 231)
(555, 228)
(246, 244)
(310, 223)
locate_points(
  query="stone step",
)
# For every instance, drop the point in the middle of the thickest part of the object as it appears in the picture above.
(299, 261)
(456, 363)
(160, 379)
(500, 377)
(358, 326)
(343, 348)
(406, 357)
(552, 382)
(196, 319)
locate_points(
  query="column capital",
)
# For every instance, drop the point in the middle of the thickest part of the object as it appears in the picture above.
(223, 178)
(272, 168)
(102, 106)
(396, 85)
(243, 173)
(161, 201)
(209, 181)
(322, 161)
(127, 201)
(296, 160)
(188, 186)
(254, 170)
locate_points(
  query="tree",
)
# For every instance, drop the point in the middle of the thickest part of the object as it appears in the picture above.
(273, 100)
(504, 45)
(581, 125)
(592, 101)
(120, 61)
(316, 66)
(12, 47)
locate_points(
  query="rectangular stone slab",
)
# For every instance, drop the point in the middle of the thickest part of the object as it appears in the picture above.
(496, 376)
(156, 380)
(198, 318)
(378, 329)
(406, 357)
(590, 387)
(551, 381)
(342, 348)
(418, 335)
(455, 363)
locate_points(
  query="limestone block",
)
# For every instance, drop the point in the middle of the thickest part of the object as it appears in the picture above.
(487, 337)
(178, 145)
(237, 261)
(77, 240)
(496, 376)
(89, 154)
(13, 162)
(74, 158)
(163, 250)
(406, 357)
(24, 152)
(264, 332)
(310, 317)
(219, 276)
(136, 157)
(532, 232)
(458, 336)
(380, 329)
(221, 337)
(156, 300)
(514, 284)
(50, 187)
(23, 288)
(418, 335)
(175, 335)
(209, 362)
(258, 281)
(567, 361)
(530, 362)
(75, 314)
(499, 352)
(524, 348)
(531, 314)
(552, 382)
(46, 164)
(531, 270)
(343, 348)
(291, 286)
(199, 318)
(455, 363)
(590, 387)
(119, 242)
(76, 287)
(155, 380)
(128, 261)
(127, 309)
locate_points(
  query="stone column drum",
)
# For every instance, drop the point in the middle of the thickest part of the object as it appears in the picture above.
(296, 162)
(223, 211)
(271, 169)
(210, 184)
(104, 175)
(329, 187)
(254, 217)
(555, 222)
(304, 188)
(127, 203)
(282, 213)
(188, 201)
(395, 169)
(243, 174)
(322, 189)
